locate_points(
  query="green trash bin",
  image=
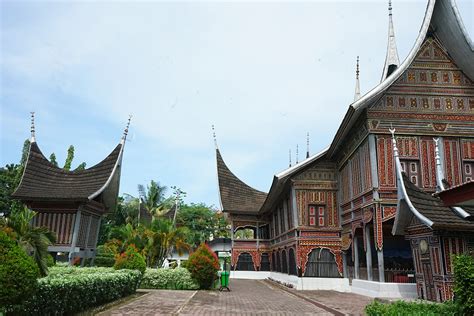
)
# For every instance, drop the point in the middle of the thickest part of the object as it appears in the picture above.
(224, 280)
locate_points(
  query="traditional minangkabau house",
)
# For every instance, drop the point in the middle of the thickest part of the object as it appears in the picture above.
(70, 203)
(341, 215)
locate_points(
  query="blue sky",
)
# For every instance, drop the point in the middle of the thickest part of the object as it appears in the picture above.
(264, 73)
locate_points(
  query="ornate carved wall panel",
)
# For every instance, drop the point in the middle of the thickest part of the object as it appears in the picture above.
(385, 162)
(452, 161)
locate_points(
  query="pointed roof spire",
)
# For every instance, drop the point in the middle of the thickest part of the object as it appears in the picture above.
(289, 156)
(307, 145)
(439, 170)
(214, 136)
(357, 88)
(296, 153)
(125, 132)
(33, 138)
(391, 60)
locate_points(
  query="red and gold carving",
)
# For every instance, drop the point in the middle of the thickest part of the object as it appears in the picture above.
(346, 242)
(378, 229)
(389, 212)
(367, 215)
(256, 257)
(428, 163)
(385, 162)
(451, 156)
(467, 149)
(440, 127)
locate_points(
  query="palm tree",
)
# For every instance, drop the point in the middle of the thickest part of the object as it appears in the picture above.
(153, 198)
(163, 237)
(35, 240)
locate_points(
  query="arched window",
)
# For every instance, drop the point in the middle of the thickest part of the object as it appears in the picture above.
(278, 265)
(245, 262)
(321, 263)
(284, 262)
(292, 262)
(265, 262)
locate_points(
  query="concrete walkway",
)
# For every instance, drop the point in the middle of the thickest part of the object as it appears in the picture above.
(248, 297)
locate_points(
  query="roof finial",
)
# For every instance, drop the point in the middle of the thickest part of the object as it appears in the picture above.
(214, 135)
(439, 170)
(307, 145)
(391, 60)
(394, 142)
(33, 137)
(357, 87)
(125, 132)
(296, 153)
(289, 156)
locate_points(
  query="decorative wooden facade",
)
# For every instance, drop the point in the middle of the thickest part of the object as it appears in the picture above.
(345, 200)
(70, 203)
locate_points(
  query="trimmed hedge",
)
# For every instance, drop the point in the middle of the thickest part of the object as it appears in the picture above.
(171, 279)
(18, 273)
(105, 257)
(71, 290)
(412, 309)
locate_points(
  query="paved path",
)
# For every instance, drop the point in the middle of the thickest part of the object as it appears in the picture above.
(248, 297)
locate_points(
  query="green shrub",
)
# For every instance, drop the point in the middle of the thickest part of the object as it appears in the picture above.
(18, 273)
(130, 259)
(203, 265)
(412, 309)
(464, 283)
(70, 290)
(50, 261)
(171, 279)
(104, 257)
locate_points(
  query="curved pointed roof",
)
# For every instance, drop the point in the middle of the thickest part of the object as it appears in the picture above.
(43, 181)
(442, 18)
(236, 196)
(391, 59)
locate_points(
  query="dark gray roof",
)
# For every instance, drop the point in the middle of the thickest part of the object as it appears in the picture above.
(433, 208)
(236, 196)
(42, 181)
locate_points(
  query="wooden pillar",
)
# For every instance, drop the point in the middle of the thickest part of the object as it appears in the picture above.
(381, 265)
(356, 257)
(257, 232)
(368, 253)
(75, 234)
(344, 264)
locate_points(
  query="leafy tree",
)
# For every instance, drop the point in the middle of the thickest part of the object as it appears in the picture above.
(35, 240)
(202, 222)
(52, 159)
(163, 237)
(10, 177)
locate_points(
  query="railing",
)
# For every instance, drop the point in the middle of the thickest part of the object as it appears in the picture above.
(391, 275)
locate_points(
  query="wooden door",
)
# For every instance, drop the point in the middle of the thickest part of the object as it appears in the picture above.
(429, 282)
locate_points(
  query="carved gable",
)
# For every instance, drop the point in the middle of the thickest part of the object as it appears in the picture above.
(432, 95)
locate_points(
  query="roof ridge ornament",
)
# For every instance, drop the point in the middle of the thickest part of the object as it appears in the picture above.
(391, 60)
(33, 137)
(296, 153)
(439, 170)
(125, 132)
(214, 136)
(357, 87)
(289, 156)
(307, 145)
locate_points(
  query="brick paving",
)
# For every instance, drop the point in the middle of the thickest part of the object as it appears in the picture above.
(248, 297)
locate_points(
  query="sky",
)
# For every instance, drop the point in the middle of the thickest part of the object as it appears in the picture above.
(264, 73)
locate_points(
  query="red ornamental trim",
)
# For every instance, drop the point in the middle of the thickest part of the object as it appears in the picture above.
(256, 257)
(389, 212)
(427, 116)
(304, 251)
(378, 229)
